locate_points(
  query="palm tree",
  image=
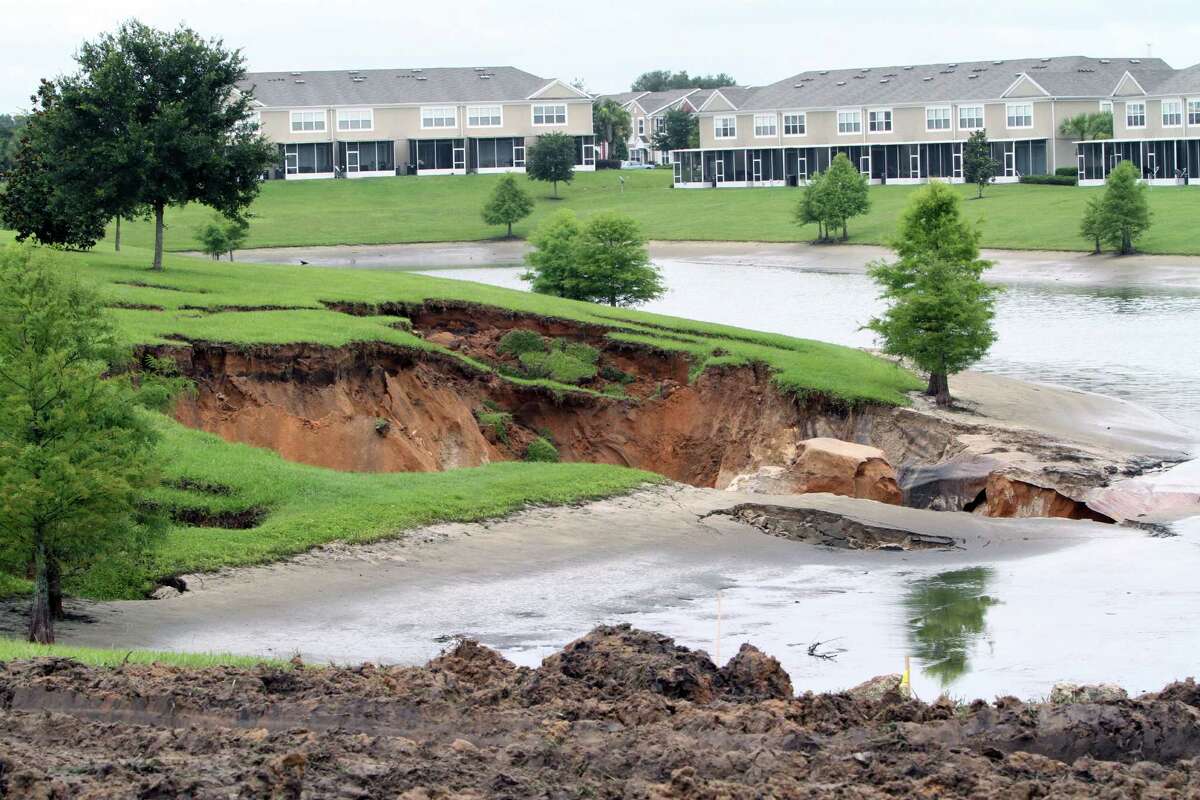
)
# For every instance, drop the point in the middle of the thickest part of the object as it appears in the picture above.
(1076, 128)
(610, 121)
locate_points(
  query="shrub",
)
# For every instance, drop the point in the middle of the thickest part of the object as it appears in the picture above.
(518, 342)
(382, 426)
(1050, 180)
(496, 421)
(1069, 172)
(578, 350)
(608, 163)
(611, 373)
(541, 450)
(614, 390)
(557, 365)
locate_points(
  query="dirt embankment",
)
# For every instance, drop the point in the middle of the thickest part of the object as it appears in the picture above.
(372, 407)
(618, 713)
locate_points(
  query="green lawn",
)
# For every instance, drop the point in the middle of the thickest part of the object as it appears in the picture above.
(303, 506)
(11, 649)
(436, 209)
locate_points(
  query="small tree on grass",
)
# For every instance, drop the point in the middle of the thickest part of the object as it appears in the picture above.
(603, 261)
(76, 456)
(509, 203)
(221, 236)
(840, 195)
(939, 311)
(979, 167)
(808, 212)
(675, 131)
(1092, 224)
(1125, 211)
(552, 160)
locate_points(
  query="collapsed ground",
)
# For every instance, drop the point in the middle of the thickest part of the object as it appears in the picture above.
(618, 713)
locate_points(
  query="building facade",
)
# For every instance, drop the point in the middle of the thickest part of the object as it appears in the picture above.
(909, 124)
(647, 111)
(443, 121)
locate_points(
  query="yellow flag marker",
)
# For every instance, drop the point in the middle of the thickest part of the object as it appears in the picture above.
(905, 686)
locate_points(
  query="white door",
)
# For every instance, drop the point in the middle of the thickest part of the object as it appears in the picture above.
(678, 168)
(958, 163)
(1151, 165)
(460, 157)
(1010, 163)
(719, 168)
(914, 164)
(518, 155)
(1081, 165)
(864, 165)
(802, 168)
(352, 163)
(756, 169)
(291, 160)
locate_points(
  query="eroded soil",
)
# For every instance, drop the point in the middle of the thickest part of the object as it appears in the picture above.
(619, 713)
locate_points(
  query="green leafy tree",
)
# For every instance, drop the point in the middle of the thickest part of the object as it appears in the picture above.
(508, 203)
(152, 119)
(1092, 224)
(603, 261)
(552, 159)
(1083, 126)
(237, 230)
(979, 167)
(661, 80)
(76, 456)
(212, 239)
(552, 259)
(611, 124)
(837, 196)
(939, 311)
(808, 211)
(10, 135)
(675, 132)
(1125, 211)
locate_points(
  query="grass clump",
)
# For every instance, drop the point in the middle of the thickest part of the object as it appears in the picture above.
(11, 649)
(611, 373)
(518, 342)
(541, 450)
(495, 421)
(557, 365)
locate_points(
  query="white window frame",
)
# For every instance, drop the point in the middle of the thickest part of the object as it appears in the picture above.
(641, 126)
(1129, 106)
(254, 118)
(1162, 111)
(431, 113)
(889, 119)
(1192, 111)
(939, 114)
(731, 127)
(302, 115)
(1008, 116)
(800, 120)
(853, 117)
(981, 117)
(553, 123)
(767, 122)
(1106, 106)
(485, 112)
(343, 116)
(657, 123)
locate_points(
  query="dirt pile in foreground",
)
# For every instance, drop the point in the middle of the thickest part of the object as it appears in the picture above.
(618, 713)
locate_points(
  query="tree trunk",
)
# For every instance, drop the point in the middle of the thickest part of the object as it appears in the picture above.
(117, 237)
(54, 579)
(939, 388)
(1126, 244)
(158, 236)
(556, 188)
(845, 231)
(41, 621)
(510, 230)
(231, 256)
(980, 195)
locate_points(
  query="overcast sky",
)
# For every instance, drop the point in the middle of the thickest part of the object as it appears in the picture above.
(607, 43)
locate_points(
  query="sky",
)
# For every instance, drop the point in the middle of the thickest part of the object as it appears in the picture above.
(607, 44)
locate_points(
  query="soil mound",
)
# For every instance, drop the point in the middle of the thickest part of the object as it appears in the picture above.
(618, 713)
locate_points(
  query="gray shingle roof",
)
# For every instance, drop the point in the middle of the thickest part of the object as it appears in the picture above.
(654, 101)
(1180, 81)
(620, 98)
(388, 86)
(1066, 76)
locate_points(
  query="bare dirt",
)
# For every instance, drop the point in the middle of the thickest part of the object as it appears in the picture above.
(374, 407)
(618, 713)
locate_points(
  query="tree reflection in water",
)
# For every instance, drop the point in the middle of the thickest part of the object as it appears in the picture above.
(946, 616)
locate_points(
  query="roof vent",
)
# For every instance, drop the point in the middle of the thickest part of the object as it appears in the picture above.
(484, 77)
(947, 72)
(865, 69)
(908, 67)
(299, 80)
(997, 63)
(1135, 61)
(841, 83)
(973, 76)
(422, 78)
(927, 78)
(859, 77)
(797, 85)
(358, 79)
(884, 80)
(952, 66)
(294, 74)
(1105, 61)
(823, 72)
(1045, 61)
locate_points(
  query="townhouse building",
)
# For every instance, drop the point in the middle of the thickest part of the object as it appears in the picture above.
(437, 121)
(647, 112)
(909, 124)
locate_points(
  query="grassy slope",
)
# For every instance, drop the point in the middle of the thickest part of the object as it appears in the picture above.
(307, 506)
(386, 210)
(14, 649)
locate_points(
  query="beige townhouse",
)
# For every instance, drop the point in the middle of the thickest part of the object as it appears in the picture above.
(434, 121)
(909, 124)
(647, 112)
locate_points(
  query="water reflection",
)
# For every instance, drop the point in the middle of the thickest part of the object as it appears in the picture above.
(946, 618)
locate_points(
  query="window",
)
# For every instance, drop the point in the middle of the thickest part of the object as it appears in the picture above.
(254, 118)
(484, 116)
(1020, 115)
(657, 123)
(793, 125)
(641, 126)
(555, 114)
(970, 118)
(849, 122)
(765, 125)
(879, 120)
(1172, 114)
(725, 127)
(355, 119)
(308, 121)
(937, 118)
(1135, 115)
(439, 117)
(1106, 106)
(1193, 111)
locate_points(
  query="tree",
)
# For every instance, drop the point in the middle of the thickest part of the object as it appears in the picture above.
(1125, 211)
(509, 203)
(602, 261)
(1083, 126)
(236, 231)
(76, 456)
(611, 124)
(808, 212)
(553, 256)
(979, 167)
(1092, 224)
(151, 119)
(212, 239)
(661, 80)
(939, 311)
(552, 159)
(675, 132)
(10, 135)
(834, 197)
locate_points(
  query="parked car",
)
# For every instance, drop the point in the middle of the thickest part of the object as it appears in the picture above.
(635, 165)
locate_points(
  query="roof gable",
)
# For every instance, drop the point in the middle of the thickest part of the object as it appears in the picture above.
(558, 90)
(1128, 85)
(717, 102)
(1025, 86)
